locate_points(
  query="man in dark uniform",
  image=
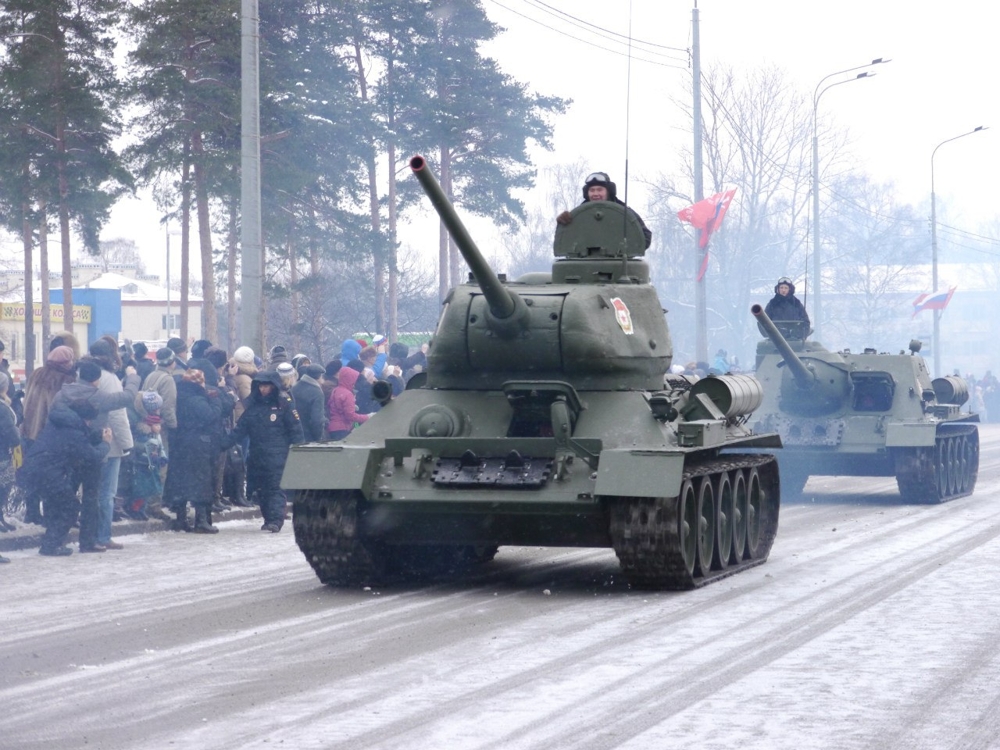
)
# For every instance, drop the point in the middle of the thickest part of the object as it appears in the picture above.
(785, 307)
(599, 187)
(271, 423)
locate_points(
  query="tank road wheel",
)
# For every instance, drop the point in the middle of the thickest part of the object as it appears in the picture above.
(739, 516)
(327, 530)
(755, 513)
(687, 527)
(708, 524)
(962, 462)
(724, 528)
(942, 467)
(954, 467)
(972, 457)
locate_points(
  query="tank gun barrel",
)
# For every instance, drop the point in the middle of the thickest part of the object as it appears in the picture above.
(803, 375)
(501, 302)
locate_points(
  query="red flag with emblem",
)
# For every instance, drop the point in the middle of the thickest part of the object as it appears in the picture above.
(706, 216)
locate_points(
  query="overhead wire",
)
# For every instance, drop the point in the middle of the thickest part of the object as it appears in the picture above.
(593, 44)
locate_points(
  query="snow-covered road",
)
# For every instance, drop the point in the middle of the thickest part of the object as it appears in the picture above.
(873, 624)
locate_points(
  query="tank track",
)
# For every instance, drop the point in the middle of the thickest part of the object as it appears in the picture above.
(663, 543)
(931, 475)
(327, 523)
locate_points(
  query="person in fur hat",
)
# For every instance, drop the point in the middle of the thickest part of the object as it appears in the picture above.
(785, 307)
(599, 187)
(41, 389)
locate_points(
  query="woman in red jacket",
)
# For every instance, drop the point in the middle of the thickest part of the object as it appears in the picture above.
(342, 406)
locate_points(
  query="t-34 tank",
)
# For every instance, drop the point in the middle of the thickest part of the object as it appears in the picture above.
(844, 414)
(546, 419)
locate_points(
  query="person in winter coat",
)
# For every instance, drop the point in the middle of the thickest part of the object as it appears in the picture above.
(143, 364)
(65, 338)
(785, 307)
(307, 394)
(66, 449)
(145, 490)
(349, 350)
(599, 187)
(343, 406)
(271, 424)
(193, 446)
(105, 352)
(110, 401)
(242, 369)
(9, 439)
(42, 387)
(162, 381)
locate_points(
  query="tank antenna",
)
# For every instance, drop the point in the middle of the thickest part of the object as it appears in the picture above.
(628, 113)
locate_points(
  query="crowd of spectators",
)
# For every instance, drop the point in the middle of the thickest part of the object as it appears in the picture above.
(121, 431)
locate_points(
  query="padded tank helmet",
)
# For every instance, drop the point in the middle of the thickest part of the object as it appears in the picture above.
(788, 282)
(602, 179)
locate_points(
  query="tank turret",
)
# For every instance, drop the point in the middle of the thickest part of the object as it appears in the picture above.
(815, 383)
(595, 321)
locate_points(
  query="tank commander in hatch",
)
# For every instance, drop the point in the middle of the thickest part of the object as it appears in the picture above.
(785, 307)
(599, 187)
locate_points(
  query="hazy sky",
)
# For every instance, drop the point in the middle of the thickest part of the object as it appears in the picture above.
(940, 83)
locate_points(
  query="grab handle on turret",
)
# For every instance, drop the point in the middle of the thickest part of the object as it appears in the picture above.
(803, 375)
(502, 303)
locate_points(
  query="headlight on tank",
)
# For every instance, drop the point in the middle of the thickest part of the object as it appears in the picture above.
(436, 420)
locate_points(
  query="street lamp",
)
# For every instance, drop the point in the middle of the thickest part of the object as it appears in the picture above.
(817, 93)
(934, 253)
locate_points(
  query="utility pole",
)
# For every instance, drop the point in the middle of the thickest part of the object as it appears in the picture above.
(701, 316)
(250, 234)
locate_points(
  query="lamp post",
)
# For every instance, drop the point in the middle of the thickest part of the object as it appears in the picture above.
(934, 253)
(817, 93)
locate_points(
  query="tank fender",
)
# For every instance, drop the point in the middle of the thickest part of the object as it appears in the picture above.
(635, 473)
(910, 434)
(310, 467)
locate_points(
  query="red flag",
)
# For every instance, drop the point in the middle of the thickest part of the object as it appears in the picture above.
(706, 216)
(936, 301)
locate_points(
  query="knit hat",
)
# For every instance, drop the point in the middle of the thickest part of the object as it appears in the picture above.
(300, 360)
(164, 357)
(177, 345)
(89, 372)
(61, 358)
(243, 355)
(278, 354)
(378, 339)
(152, 401)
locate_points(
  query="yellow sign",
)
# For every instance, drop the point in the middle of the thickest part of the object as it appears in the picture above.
(15, 311)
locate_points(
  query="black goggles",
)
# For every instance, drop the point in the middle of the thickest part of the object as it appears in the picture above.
(597, 177)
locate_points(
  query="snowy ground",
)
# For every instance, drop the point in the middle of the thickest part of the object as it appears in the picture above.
(873, 624)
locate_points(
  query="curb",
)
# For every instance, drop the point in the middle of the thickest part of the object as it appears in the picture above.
(28, 536)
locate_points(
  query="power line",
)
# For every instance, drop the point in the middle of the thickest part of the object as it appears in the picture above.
(590, 43)
(580, 21)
